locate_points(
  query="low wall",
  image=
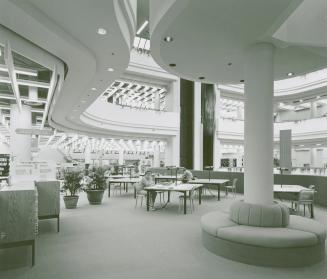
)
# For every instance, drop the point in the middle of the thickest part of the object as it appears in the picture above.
(292, 179)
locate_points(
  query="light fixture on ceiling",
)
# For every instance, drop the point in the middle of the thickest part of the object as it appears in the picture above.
(318, 144)
(172, 65)
(83, 101)
(168, 39)
(93, 89)
(110, 69)
(242, 81)
(102, 31)
(145, 23)
(301, 145)
(201, 78)
(230, 64)
(290, 74)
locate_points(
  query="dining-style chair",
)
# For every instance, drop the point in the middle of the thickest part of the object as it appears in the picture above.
(306, 198)
(140, 194)
(190, 198)
(231, 188)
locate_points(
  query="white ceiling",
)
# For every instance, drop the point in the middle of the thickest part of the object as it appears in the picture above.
(208, 35)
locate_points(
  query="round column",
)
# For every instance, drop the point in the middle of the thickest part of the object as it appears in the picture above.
(313, 110)
(258, 125)
(20, 145)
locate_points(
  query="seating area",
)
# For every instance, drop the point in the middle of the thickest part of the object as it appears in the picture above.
(264, 235)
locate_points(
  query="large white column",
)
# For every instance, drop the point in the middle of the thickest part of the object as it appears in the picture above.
(172, 151)
(313, 110)
(197, 129)
(121, 157)
(87, 154)
(20, 145)
(156, 155)
(313, 157)
(258, 126)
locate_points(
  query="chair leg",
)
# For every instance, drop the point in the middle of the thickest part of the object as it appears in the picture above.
(304, 210)
(58, 224)
(141, 201)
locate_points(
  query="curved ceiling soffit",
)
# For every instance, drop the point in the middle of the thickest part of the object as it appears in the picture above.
(87, 65)
(302, 59)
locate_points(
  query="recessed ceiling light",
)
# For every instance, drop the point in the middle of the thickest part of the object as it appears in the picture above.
(102, 31)
(168, 39)
(93, 89)
(290, 74)
(172, 65)
(145, 23)
(301, 145)
(229, 64)
(201, 77)
(110, 69)
(83, 101)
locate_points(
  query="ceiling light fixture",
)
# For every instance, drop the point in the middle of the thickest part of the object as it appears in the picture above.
(168, 39)
(145, 23)
(229, 64)
(301, 145)
(83, 101)
(102, 31)
(242, 81)
(318, 144)
(110, 69)
(201, 77)
(290, 74)
(93, 89)
(172, 65)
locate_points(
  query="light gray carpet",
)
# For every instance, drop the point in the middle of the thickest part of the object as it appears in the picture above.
(114, 240)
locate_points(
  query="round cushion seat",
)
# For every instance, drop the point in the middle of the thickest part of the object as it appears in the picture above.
(300, 243)
(259, 215)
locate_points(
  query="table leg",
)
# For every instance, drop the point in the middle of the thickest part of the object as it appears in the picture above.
(109, 190)
(168, 196)
(147, 200)
(312, 213)
(200, 195)
(218, 188)
(134, 192)
(126, 185)
(185, 198)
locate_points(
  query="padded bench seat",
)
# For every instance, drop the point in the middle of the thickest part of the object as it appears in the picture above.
(300, 243)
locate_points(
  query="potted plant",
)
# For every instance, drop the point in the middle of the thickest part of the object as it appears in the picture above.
(95, 188)
(71, 186)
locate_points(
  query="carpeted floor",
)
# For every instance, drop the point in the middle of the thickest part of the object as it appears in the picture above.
(115, 240)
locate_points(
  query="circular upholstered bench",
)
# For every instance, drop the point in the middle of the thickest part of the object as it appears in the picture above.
(264, 235)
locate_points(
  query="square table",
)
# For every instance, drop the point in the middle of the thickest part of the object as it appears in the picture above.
(185, 188)
(125, 182)
(212, 182)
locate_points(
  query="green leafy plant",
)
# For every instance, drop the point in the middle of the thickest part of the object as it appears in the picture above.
(98, 181)
(72, 183)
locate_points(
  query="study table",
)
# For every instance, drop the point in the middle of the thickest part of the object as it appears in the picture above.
(290, 192)
(184, 188)
(158, 178)
(211, 182)
(125, 181)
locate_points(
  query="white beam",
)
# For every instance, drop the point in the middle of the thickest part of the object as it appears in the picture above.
(12, 75)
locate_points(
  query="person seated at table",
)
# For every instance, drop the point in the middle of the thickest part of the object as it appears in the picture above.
(187, 176)
(147, 181)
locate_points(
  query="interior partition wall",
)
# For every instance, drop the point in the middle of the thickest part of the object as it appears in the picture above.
(208, 104)
(186, 123)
